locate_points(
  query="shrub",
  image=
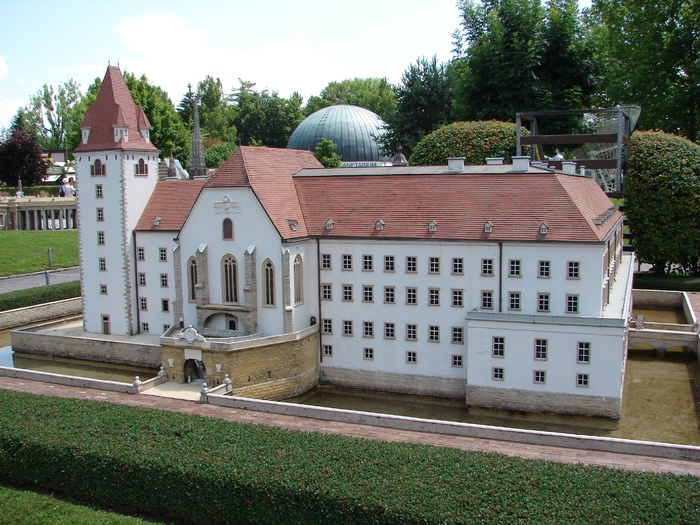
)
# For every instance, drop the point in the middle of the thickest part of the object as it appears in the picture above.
(476, 141)
(40, 295)
(662, 199)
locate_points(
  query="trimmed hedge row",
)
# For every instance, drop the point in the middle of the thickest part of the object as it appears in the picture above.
(201, 470)
(40, 295)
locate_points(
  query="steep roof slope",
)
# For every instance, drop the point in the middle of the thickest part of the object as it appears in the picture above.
(114, 106)
(268, 172)
(171, 201)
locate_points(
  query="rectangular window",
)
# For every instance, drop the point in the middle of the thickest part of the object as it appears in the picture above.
(165, 305)
(498, 347)
(543, 270)
(102, 263)
(411, 332)
(487, 267)
(411, 264)
(433, 333)
(347, 262)
(326, 292)
(582, 380)
(434, 265)
(543, 302)
(584, 353)
(541, 349)
(389, 295)
(514, 268)
(411, 295)
(389, 263)
(347, 327)
(573, 270)
(458, 265)
(457, 335)
(368, 294)
(101, 238)
(368, 354)
(367, 263)
(328, 350)
(457, 361)
(143, 303)
(100, 214)
(98, 191)
(458, 298)
(367, 329)
(166, 327)
(347, 292)
(103, 289)
(486, 299)
(513, 300)
(140, 254)
(497, 373)
(389, 331)
(142, 279)
(163, 280)
(539, 377)
(325, 261)
(411, 357)
(327, 326)
(163, 254)
(434, 296)
(572, 304)
(144, 328)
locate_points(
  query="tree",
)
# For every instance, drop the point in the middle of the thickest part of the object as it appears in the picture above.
(265, 117)
(51, 113)
(662, 199)
(20, 159)
(515, 55)
(375, 94)
(216, 154)
(216, 115)
(652, 54)
(326, 155)
(476, 141)
(424, 103)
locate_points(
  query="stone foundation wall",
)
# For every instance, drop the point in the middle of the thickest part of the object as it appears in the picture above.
(393, 382)
(40, 312)
(549, 402)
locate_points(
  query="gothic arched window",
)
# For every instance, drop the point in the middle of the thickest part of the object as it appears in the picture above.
(269, 283)
(228, 229)
(229, 282)
(192, 278)
(298, 280)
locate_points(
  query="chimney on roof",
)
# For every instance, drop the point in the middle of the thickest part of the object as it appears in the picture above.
(568, 167)
(455, 164)
(493, 161)
(521, 163)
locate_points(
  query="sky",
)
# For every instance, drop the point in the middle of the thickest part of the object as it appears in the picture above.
(281, 45)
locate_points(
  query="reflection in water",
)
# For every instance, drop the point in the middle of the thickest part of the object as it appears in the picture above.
(660, 314)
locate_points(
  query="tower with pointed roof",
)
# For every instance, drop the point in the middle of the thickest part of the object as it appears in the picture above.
(197, 165)
(116, 172)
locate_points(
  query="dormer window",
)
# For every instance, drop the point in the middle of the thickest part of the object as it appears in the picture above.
(121, 133)
(293, 224)
(544, 228)
(432, 227)
(329, 224)
(86, 135)
(379, 225)
(488, 227)
(146, 134)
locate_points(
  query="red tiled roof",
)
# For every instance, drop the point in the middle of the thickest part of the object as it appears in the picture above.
(172, 201)
(517, 204)
(114, 106)
(268, 172)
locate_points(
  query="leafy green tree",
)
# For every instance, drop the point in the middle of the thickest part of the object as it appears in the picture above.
(216, 115)
(375, 94)
(20, 159)
(51, 113)
(475, 141)
(265, 117)
(326, 155)
(652, 54)
(424, 103)
(216, 154)
(662, 199)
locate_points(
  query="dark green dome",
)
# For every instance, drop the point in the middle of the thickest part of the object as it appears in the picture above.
(353, 129)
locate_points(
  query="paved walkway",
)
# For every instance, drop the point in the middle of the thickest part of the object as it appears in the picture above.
(37, 279)
(562, 455)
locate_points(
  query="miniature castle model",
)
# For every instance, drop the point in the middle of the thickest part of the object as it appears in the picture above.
(504, 285)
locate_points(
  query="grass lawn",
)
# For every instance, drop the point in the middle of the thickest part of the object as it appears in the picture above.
(23, 507)
(27, 251)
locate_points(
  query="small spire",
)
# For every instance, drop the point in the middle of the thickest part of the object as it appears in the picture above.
(197, 166)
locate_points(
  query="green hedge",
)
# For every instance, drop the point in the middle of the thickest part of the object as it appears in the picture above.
(194, 469)
(652, 281)
(40, 295)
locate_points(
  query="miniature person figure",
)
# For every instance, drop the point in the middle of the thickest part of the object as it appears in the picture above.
(66, 189)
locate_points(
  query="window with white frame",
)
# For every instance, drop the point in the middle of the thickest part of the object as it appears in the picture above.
(543, 302)
(326, 292)
(411, 332)
(458, 298)
(367, 329)
(347, 328)
(433, 333)
(458, 265)
(327, 326)
(411, 357)
(457, 361)
(347, 262)
(347, 292)
(145, 328)
(457, 335)
(163, 254)
(328, 350)
(368, 354)
(486, 299)
(434, 265)
(102, 264)
(582, 380)
(411, 264)
(389, 294)
(543, 269)
(487, 267)
(514, 268)
(498, 346)
(513, 300)
(389, 331)
(98, 191)
(101, 238)
(411, 295)
(163, 280)
(572, 304)
(498, 373)
(573, 270)
(389, 263)
(434, 296)
(584, 352)
(140, 254)
(368, 293)
(142, 279)
(539, 377)
(367, 263)
(100, 214)
(103, 289)
(143, 303)
(541, 349)
(325, 261)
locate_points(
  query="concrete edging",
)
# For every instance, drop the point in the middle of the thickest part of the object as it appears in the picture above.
(603, 444)
(40, 312)
(59, 379)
